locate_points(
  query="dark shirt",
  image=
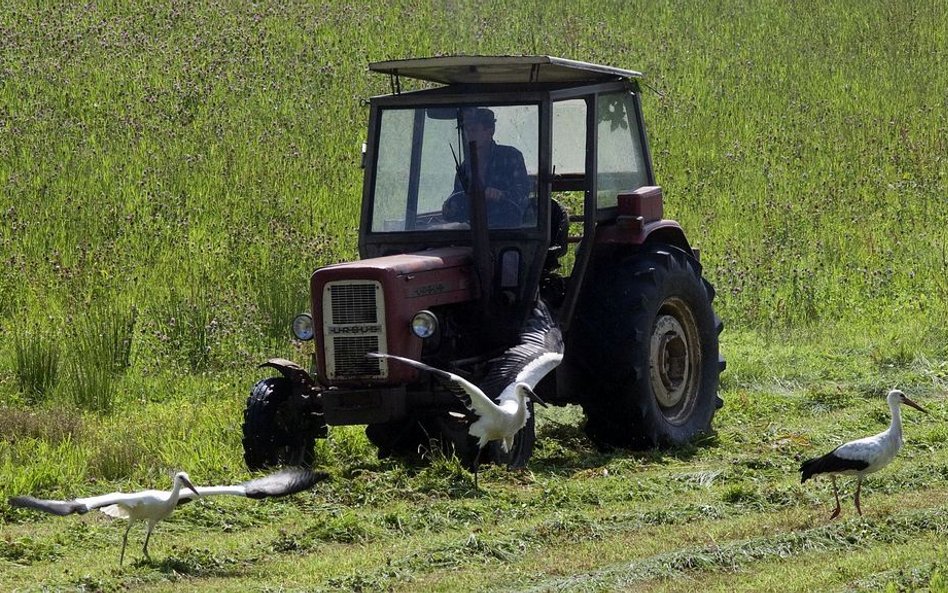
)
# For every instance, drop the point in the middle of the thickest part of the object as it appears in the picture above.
(504, 171)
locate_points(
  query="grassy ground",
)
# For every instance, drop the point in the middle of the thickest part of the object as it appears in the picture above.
(170, 174)
(725, 513)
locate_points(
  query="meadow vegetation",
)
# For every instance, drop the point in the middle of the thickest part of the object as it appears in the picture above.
(171, 173)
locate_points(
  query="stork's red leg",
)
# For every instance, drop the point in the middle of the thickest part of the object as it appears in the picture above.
(125, 542)
(858, 488)
(151, 525)
(835, 492)
(477, 462)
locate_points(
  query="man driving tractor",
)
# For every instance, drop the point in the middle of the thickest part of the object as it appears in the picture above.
(501, 173)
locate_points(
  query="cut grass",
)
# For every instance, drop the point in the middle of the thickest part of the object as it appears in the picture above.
(603, 521)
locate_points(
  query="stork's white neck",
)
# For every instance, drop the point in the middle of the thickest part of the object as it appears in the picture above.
(895, 427)
(175, 491)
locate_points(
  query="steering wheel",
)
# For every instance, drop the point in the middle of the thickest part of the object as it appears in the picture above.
(501, 214)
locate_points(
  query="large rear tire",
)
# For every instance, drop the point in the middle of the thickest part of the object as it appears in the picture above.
(267, 442)
(643, 350)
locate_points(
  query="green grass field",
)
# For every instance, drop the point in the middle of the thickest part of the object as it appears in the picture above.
(171, 173)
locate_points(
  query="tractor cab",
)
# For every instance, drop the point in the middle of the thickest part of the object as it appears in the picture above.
(563, 140)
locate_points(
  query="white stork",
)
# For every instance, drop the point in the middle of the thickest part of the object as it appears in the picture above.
(513, 377)
(152, 506)
(862, 456)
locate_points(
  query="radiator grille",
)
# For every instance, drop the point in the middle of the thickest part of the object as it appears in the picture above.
(351, 360)
(354, 314)
(353, 303)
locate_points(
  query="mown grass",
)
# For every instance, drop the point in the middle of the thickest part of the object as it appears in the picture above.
(579, 519)
(171, 174)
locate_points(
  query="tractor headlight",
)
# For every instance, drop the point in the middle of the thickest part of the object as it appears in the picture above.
(424, 324)
(303, 327)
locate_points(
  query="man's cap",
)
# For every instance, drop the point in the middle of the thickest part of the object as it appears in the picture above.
(480, 115)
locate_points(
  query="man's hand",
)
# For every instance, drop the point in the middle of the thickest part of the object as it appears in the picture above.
(493, 194)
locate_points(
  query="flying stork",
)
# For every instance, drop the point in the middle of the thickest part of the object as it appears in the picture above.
(152, 506)
(862, 456)
(510, 381)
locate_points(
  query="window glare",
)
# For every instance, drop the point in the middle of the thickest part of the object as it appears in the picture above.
(569, 137)
(621, 165)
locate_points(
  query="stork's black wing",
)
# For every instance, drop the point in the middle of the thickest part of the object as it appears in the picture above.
(830, 464)
(283, 483)
(540, 350)
(56, 507)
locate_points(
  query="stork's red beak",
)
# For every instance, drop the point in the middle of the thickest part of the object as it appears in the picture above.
(909, 402)
(188, 483)
(535, 397)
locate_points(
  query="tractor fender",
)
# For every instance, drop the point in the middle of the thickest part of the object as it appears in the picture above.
(635, 231)
(640, 220)
(293, 372)
(668, 232)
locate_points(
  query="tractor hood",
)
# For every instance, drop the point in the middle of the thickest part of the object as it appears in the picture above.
(439, 273)
(367, 306)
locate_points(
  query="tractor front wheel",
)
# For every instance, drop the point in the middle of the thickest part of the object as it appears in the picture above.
(267, 441)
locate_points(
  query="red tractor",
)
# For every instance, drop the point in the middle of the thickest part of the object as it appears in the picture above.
(508, 180)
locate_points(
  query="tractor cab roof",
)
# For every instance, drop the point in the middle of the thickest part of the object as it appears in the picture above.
(501, 70)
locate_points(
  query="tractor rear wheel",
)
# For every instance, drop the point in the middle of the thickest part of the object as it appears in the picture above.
(644, 350)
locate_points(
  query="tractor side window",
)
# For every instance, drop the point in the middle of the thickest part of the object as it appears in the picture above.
(620, 154)
(569, 139)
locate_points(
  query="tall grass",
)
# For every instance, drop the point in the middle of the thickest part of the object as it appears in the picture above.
(801, 145)
(187, 323)
(36, 364)
(91, 388)
(100, 347)
(103, 336)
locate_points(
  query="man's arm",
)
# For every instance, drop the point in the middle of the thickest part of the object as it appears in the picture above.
(512, 175)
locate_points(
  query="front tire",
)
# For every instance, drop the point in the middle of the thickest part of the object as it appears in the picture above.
(412, 438)
(522, 449)
(267, 442)
(644, 347)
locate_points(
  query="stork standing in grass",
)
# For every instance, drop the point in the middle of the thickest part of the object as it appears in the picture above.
(862, 456)
(514, 375)
(152, 506)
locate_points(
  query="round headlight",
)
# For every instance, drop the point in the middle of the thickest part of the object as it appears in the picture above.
(424, 324)
(303, 327)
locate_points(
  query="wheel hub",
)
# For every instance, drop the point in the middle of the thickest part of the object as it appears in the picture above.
(670, 366)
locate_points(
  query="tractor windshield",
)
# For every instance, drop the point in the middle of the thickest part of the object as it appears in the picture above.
(431, 160)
